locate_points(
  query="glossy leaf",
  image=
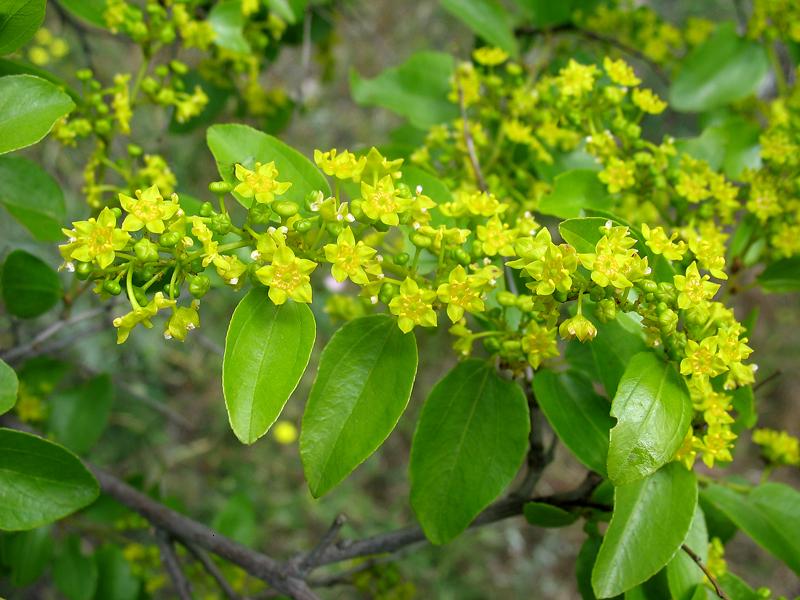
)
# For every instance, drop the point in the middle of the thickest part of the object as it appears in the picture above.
(577, 414)
(584, 564)
(653, 412)
(584, 233)
(15, 66)
(227, 21)
(79, 416)
(32, 197)
(781, 276)
(9, 386)
(231, 144)
(74, 573)
(416, 90)
(19, 20)
(547, 515)
(469, 443)
(28, 554)
(30, 286)
(488, 19)
(650, 521)
(362, 387)
(546, 13)
(574, 191)
(769, 513)
(29, 107)
(683, 574)
(266, 352)
(724, 69)
(88, 10)
(40, 481)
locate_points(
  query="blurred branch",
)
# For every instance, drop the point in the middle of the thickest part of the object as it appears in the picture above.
(470, 143)
(173, 565)
(212, 569)
(528, 31)
(699, 562)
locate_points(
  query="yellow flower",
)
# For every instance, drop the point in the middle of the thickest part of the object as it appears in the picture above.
(659, 243)
(618, 175)
(694, 289)
(576, 79)
(497, 238)
(284, 432)
(578, 327)
(778, 447)
(716, 563)
(702, 359)
(460, 293)
(182, 321)
(539, 343)
(349, 258)
(620, 72)
(490, 56)
(381, 202)
(121, 103)
(157, 172)
(95, 240)
(413, 306)
(341, 166)
(261, 183)
(148, 210)
(287, 277)
(648, 102)
(140, 314)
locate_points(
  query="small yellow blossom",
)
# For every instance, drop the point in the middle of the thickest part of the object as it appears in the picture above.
(413, 306)
(648, 102)
(576, 79)
(497, 237)
(95, 240)
(620, 72)
(148, 210)
(342, 166)
(183, 320)
(490, 56)
(778, 447)
(287, 277)
(460, 293)
(694, 289)
(539, 343)
(618, 175)
(284, 432)
(260, 183)
(382, 202)
(577, 327)
(348, 258)
(140, 314)
(657, 240)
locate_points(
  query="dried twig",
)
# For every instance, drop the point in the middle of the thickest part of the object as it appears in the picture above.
(468, 140)
(172, 565)
(699, 562)
(213, 570)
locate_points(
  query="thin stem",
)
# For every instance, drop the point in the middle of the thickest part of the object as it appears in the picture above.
(213, 570)
(699, 562)
(173, 566)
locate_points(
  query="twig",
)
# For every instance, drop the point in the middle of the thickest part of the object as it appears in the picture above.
(774, 375)
(212, 569)
(699, 562)
(308, 561)
(470, 143)
(48, 332)
(173, 566)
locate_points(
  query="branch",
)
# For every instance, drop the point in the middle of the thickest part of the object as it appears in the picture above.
(308, 561)
(173, 566)
(212, 569)
(470, 143)
(699, 562)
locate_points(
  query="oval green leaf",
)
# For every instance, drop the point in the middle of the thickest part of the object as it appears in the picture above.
(79, 416)
(653, 412)
(266, 352)
(231, 144)
(416, 90)
(9, 386)
(769, 513)
(781, 276)
(547, 515)
(30, 286)
(574, 191)
(650, 521)
(470, 441)
(40, 481)
(19, 20)
(29, 107)
(584, 233)
(578, 415)
(88, 10)
(227, 21)
(32, 197)
(724, 69)
(364, 381)
(683, 574)
(74, 573)
(488, 19)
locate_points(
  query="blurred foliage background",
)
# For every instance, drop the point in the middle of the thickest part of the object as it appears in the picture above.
(168, 426)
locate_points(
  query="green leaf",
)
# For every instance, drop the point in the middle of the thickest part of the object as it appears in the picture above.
(88, 10)
(115, 580)
(29, 107)
(19, 20)
(32, 197)
(488, 19)
(416, 90)
(577, 414)
(584, 564)
(653, 412)
(74, 573)
(79, 416)
(266, 352)
(724, 69)
(469, 443)
(30, 286)
(683, 574)
(744, 403)
(781, 276)
(546, 13)
(731, 145)
(288, 10)
(651, 519)
(227, 21)
(13, 66)
(584, 233)
(362, 387)
(547, 515)
(736, 588)
(231, 144)
(40, 481)
(9, 386)
(769, 513)
(574, 191)
(28, 554)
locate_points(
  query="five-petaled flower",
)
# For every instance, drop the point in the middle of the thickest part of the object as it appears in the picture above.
(95, 240)
(287, 276)
(260, 183)
(148, 210)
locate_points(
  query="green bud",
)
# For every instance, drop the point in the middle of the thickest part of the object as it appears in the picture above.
(259, 214)
(178, 67)
(117, 211)
(401, 259)
(199, 285)
(84, 74)
(491, 344)
(334, 228)
(161, 70)
(461, 256)
(476, 250)
(206, 209)
(668, 320)
(102, 126)
(286, 208)
(421, 241)
(355, 209)
(505, 298)
(219, 187)
(303, 225)
(511, 346)
(134, 150)
(220, 223)
(167, 36)
(149, 85)
(83, 270)
(606, 310)
(169, 239)
(112, 286)
(145, 250)
(403, 190)
(525, 303)
(140, 296)
(647, 285)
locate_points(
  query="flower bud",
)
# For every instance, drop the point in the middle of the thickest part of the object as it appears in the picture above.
(219, 187)
(579, 327)
(83, 270)
(285, 208)
(206, 209)
(145, 250)
(199, 285)
(421, 241)
(220, 223)
(401, 259)
(505, 298)
(112, 286)
(303, 225)
(169, 239)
